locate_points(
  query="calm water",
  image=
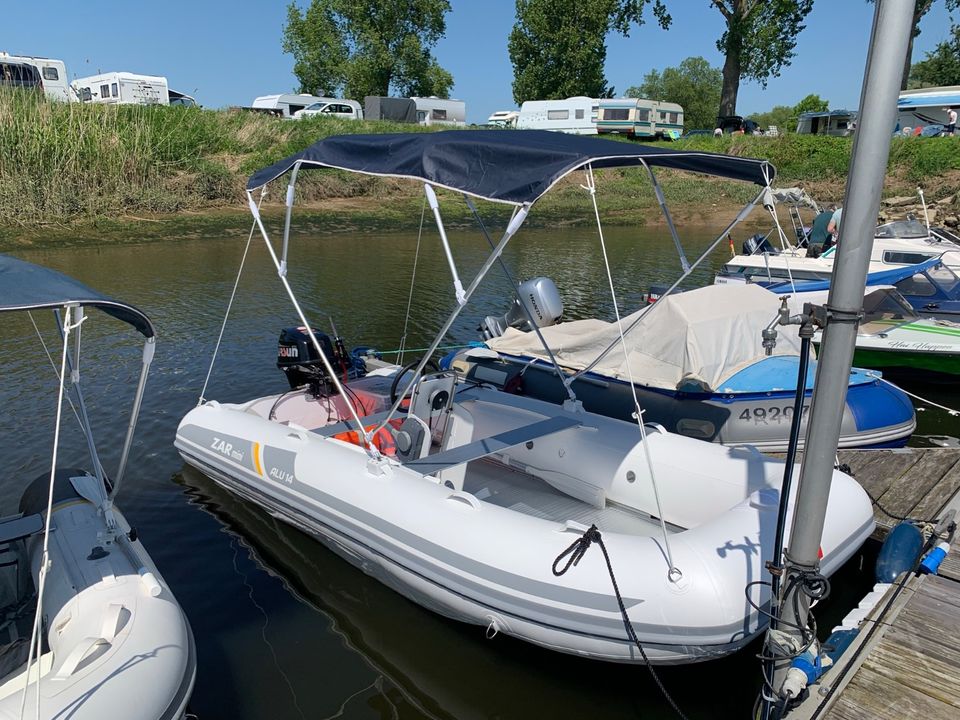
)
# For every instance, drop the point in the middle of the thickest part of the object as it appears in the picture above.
(284, 628)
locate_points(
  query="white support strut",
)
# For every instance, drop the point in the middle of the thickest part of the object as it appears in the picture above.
(435, 206)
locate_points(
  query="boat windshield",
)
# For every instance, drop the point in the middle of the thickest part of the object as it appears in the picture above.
(929, 282)
(911, 228)
(883, 309)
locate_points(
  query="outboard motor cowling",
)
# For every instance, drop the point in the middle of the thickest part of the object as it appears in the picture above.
(758, 244)
(542, 300)
(298, 358)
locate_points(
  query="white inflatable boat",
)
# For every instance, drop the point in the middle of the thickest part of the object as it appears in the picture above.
(91, 629)
(461, 497)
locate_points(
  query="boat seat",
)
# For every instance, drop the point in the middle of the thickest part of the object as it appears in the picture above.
(17, 527)
(487, 446)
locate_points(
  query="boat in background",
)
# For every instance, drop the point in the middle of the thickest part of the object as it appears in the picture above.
(894, 339)
(698, 365)
(468, 502)
(931, 288)
(94, 630)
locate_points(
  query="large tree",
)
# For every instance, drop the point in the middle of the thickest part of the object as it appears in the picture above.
(558, 47)
(694, 85)
(785, 117)
(758, 41)
(368, 47)
(941, 66)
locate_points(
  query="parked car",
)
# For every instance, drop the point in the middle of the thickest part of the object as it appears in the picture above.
(347, 109)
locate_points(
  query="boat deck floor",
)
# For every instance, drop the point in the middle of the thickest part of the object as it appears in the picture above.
(494, 483)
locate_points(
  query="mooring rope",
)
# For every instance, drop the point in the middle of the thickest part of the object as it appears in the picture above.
(950, 411)
(576, 551)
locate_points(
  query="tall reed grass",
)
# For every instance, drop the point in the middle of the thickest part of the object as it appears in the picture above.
(65, 161)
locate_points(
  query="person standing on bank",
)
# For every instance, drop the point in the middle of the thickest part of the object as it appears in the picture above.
(951, 126)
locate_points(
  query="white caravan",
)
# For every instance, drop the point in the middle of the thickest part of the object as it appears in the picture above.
(829, 122)
(332, 107)
(440, 111)
(926, 106)
(53, 73)
(639, 117)
(503, 118)
(122, 88)
(288, 103)
(576, 115)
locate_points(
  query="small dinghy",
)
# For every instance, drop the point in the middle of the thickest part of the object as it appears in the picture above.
(91, 628)
(699, 367)
(465, 498)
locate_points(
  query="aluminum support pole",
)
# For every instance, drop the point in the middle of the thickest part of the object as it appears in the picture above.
(893, 23)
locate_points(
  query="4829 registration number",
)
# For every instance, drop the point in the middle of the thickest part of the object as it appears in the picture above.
(773, 414)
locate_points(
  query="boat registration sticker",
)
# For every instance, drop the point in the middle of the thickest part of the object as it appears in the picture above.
(771, 414)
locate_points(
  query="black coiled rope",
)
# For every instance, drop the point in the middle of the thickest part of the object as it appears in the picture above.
(574, 554)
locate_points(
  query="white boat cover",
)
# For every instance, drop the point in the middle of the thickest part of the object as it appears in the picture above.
(693, 340)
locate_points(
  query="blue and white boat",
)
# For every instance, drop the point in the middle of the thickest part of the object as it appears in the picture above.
(698, 366)
(931, 288)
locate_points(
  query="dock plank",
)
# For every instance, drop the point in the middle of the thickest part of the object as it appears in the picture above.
(872, 695)
(903, 496)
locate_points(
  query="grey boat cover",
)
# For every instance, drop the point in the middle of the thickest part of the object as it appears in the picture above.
(508, 166)
(25, 286)
(377, 107)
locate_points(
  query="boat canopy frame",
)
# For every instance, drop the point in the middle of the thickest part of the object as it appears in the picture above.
(515, 167)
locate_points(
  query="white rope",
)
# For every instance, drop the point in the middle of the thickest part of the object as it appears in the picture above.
(45, 557)
(674, 572)
(56, 372)
(236, 283)
(413, 277)
(783, 243)
(950, 411)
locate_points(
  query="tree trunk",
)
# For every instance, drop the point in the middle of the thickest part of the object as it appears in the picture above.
(731, 79)
(907, 63)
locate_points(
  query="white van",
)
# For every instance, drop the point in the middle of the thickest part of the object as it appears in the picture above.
(440, 111)
(288, 103)
(122, 88)
(639, 117)
(577, 115)
(53, 74)
(332, 107)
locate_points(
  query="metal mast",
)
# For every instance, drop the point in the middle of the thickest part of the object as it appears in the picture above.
(893, 23)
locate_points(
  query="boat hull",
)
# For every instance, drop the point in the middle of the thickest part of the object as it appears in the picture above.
(487, 565)
(875, 414)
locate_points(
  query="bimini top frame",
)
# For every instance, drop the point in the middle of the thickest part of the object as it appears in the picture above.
(25, 286)
(511, 167)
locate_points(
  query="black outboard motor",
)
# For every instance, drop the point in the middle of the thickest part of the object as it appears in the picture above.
(298, 358)
(758, 244)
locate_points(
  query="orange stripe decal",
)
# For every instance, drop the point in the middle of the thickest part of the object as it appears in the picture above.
(256, 458)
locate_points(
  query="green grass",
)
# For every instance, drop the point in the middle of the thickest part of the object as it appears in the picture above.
(82, 165)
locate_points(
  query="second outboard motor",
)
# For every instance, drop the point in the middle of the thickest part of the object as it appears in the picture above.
(757, 244)
(298, 358)
(542, 300)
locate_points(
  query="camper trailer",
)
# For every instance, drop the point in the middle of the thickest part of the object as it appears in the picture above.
(53, 74)
(577, 115)
(379, 107)
(641, 118)
(830, 122)
(122, 88)
(503, 118)
(286, 104)
(926, 106)
(440, 111)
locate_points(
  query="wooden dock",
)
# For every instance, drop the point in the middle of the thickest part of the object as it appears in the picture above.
(905, 662)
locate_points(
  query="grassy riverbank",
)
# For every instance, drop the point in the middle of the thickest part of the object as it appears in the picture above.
(85, 170)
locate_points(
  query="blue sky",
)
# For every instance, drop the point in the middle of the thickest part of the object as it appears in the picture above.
(226, 52)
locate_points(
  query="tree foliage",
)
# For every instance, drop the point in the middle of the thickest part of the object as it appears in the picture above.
(368, 47)
(758, 42)
(785, 117)
(941, 66)
(693, 84)
(558, 47)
